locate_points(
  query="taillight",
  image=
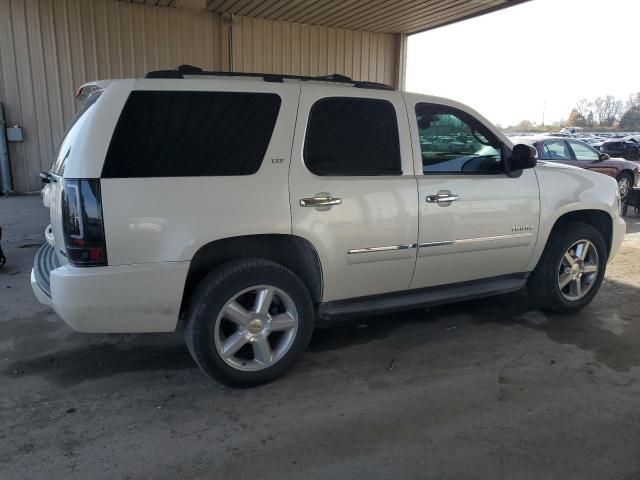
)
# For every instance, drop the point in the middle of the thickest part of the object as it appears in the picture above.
(82, 224)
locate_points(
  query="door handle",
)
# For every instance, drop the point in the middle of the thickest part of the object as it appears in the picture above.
(320, 200)
(443, 197)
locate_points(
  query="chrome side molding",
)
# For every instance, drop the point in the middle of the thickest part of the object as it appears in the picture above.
(437, 244)
(443, 243)
(497, 237)
(385, 248)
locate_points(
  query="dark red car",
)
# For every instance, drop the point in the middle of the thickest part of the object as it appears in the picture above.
(571, 151)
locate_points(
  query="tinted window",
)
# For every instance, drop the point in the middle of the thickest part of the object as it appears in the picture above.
(452, 141)
(182, 134)
(556, 150)
(352, 136)
(584, 152)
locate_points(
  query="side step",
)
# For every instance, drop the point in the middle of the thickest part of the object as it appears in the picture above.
(414, 299)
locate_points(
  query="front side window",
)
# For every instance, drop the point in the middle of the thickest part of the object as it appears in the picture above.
(453, 142)
(191, 134)
(556, 150)
(584, 152)
(348, 136)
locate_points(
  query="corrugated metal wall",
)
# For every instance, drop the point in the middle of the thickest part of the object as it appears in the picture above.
(50, 47)
(272, 46)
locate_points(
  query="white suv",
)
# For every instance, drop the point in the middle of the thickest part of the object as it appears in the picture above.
(246, 207)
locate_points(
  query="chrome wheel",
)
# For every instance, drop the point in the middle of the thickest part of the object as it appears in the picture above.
(578, 270)
(624, 185)
(256, 328)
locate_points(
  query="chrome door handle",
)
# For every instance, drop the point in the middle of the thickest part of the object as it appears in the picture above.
(442, 197)
(320, 200)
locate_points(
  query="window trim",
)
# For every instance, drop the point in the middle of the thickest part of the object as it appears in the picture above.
(465, 117)
(400, 170)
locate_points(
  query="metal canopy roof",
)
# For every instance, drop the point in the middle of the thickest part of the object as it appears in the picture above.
(388, 16)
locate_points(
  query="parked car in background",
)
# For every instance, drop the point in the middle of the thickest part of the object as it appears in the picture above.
(625, 147)
(572, 131)
(580, 154)
(595, 142)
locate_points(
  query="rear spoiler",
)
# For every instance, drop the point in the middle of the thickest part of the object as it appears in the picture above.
(86, 90)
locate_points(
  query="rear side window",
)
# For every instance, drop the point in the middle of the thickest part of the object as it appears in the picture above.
(191, 134)
(352, 136)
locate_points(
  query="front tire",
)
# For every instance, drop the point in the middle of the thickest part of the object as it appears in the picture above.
(625, 184)
(249, 321)
(571, 269)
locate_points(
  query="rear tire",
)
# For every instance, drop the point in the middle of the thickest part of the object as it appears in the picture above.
(632, 154)
(556, 284)
(249, 321)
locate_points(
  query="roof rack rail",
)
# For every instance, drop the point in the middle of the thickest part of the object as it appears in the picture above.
(190, 70)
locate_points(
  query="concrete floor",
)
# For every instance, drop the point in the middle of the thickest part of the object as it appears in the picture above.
(486, 389)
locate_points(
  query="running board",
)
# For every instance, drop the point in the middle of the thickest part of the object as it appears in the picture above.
(426, 297)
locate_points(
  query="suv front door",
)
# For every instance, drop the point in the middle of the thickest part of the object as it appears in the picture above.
(475, 221)
(353, 189)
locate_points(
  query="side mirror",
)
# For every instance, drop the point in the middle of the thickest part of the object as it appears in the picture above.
(523, 157)
(604, 156)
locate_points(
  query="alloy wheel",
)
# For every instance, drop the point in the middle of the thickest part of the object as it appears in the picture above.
(578, 270)
(256, 328)
(624, 185)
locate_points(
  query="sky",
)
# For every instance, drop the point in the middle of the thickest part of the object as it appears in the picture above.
(540, 56)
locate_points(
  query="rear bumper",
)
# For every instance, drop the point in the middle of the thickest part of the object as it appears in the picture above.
(117, 299)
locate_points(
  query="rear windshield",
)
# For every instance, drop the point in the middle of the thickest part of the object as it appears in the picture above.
(75, 126)
(184, 133)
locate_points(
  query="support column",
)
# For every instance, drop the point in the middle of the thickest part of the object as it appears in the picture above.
(400, 71)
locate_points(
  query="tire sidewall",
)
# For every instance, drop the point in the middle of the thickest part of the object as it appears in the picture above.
(576, 232)
(632, 154)
(217, 289)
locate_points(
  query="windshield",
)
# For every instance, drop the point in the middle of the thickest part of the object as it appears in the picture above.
(75, 126)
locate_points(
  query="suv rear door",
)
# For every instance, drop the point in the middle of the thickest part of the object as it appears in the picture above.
(56, 185)
(353, 189)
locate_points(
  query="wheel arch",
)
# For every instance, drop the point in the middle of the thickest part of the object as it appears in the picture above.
(290, 251)
(599, 219)
(629, 172)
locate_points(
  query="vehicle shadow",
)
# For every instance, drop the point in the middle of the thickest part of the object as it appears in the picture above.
(102, 356)
(609, 328)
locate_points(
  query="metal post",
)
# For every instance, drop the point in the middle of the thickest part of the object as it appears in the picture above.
(5, 172)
